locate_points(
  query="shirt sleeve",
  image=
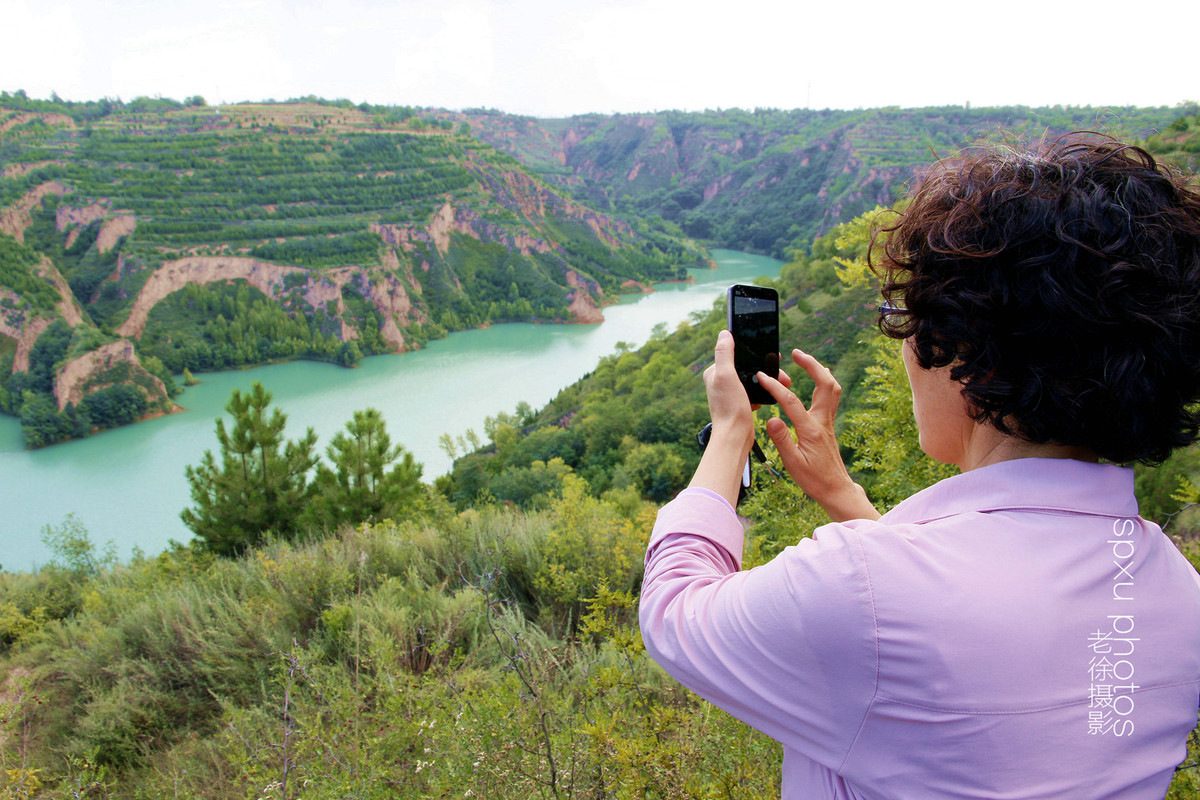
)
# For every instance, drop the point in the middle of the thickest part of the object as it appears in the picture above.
(789, 647)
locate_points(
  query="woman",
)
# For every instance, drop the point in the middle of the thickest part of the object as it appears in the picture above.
(1014, 631)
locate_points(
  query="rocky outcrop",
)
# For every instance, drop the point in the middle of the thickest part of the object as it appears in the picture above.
(51, 119)
(385, 291)
(113, 229)
(68, 306)
(78, 376)
(78, 217)
(174, 275)
(391, 298)
(17, 320)
(26, 334)
(448, 220)
(583, 307)
(74, 219)
(17, 217)
(17, 170)
(441, 226)
(535, 201)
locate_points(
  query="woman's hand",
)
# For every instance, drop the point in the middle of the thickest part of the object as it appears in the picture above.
(812, 457)
(732, 418)
(728, 405)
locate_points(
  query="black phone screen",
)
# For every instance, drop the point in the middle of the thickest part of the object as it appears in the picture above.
(754, 323)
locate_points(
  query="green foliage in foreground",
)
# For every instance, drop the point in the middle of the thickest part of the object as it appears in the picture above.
(486, 653)
(260, 482)
(259, 485)
(490, 653)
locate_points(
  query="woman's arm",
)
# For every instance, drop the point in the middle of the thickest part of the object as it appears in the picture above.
(790, 647)
(720, 468)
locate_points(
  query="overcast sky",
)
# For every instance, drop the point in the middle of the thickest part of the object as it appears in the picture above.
(562, 57)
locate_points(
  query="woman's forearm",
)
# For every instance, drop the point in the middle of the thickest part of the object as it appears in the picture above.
(723, 462)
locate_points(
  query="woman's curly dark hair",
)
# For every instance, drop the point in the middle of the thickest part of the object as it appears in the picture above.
(1061, 284)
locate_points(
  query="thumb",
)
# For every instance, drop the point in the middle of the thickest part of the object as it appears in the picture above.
(723, 354)
(780, 434)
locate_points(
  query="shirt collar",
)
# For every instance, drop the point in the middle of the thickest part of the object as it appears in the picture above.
(1044, 484)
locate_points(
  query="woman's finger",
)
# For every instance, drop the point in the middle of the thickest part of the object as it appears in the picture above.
(827, 392)
(789, 403)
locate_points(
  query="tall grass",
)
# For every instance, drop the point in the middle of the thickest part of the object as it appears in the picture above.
(491, 653)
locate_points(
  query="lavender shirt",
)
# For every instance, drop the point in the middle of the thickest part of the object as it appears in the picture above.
(1016, 631)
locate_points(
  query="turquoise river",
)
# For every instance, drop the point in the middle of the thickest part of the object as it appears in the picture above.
(127, 486)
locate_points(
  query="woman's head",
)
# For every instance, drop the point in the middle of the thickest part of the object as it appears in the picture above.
(1061, 285)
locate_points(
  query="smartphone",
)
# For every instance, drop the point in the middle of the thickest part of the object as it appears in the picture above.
(754, 323)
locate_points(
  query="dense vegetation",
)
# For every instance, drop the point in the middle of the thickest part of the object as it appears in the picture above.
(218, 326)
(338, 628)
(116, 396)
(482, 644)
(767, 179)
(17, 273)
(1179, 141)
(367, 230)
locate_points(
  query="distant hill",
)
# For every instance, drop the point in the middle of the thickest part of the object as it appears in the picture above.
(1178, 142)
(768, 180)
(158, 236)
(213, 237)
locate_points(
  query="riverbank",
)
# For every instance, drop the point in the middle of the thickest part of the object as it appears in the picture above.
(127, 485)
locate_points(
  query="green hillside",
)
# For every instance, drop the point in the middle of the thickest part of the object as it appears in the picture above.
(489, 650)
(206, 238)
(767, 179)
(211, 238)
(1179, 142)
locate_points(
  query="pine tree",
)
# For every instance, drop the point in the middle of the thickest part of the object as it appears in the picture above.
(261, 484)
(360, 486)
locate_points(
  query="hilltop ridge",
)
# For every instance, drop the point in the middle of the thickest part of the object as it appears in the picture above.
(211, 238)
(768, 180)
(216, 237)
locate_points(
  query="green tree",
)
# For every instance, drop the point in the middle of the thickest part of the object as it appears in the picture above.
(883, 434)
(42, 423)
(261, 483)
(657, 470)
(882, 431)
(74, 551)
(370, 478)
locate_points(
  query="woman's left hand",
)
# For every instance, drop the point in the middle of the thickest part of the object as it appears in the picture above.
(810, 450)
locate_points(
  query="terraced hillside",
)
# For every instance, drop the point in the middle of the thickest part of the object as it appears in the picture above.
(768, 180)
(214, 237)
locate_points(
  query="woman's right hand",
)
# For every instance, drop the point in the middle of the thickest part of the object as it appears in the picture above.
(812, 456)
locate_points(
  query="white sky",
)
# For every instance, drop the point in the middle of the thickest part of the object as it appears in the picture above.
(562, 57)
